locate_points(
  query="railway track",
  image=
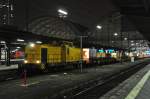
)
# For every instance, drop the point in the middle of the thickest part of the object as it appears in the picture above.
(96, 88)
(6, 75)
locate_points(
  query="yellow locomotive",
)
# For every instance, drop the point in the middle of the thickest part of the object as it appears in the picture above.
(43, 56)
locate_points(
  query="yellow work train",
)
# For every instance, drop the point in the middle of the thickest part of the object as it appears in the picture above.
(45, 55)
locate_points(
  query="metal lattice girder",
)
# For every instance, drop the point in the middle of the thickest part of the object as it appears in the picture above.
(53, 27)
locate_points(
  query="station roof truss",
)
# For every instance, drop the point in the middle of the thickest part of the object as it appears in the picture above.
(10, 35)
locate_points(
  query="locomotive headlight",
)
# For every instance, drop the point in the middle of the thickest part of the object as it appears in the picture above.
(32, 45)
(37, 61)
(25, 61)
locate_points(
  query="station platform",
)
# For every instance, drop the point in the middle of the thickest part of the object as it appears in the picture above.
(48, 86)
(12, 60)
(142, 88)
(4, 67)
(13, 64)
(145, 91)
(136, 87)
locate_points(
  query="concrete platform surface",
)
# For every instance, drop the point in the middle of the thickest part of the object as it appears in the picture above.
(13, 60)
(142, 88)
(4, 67)
(136, 87)
(145, 91)
(46, 86)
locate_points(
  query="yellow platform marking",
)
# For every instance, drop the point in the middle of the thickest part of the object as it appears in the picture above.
(135, 91)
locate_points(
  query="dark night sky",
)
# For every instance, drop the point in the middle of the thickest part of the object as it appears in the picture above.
(85, 12)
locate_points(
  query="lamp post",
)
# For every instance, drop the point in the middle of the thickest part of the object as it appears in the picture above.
(121, 39)
(81, 46)
(27, 14)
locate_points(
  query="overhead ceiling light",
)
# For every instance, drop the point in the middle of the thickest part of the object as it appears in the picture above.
(61, 11)
(12, 51)
(20, 40)
(38, 42)
(132, 41)
(132, 44)
(125, 38)
(115, 34)
(3, 42)
(99, 27)
(18, 47)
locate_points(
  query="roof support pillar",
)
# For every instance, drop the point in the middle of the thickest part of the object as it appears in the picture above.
(146, 5)
(7, 55)
(0, 54)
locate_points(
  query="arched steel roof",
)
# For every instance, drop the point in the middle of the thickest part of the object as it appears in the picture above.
(53, 27)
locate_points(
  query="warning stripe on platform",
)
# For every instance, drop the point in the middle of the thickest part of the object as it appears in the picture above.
(135, 91)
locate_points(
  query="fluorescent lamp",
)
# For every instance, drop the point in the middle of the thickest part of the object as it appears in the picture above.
(20, 40)
(62, 12)
(99, 27)
(18, 47)
(3, 42)
(115, 34)
(132, 44)
(125, 38)
(132, 41)
(38, 42)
